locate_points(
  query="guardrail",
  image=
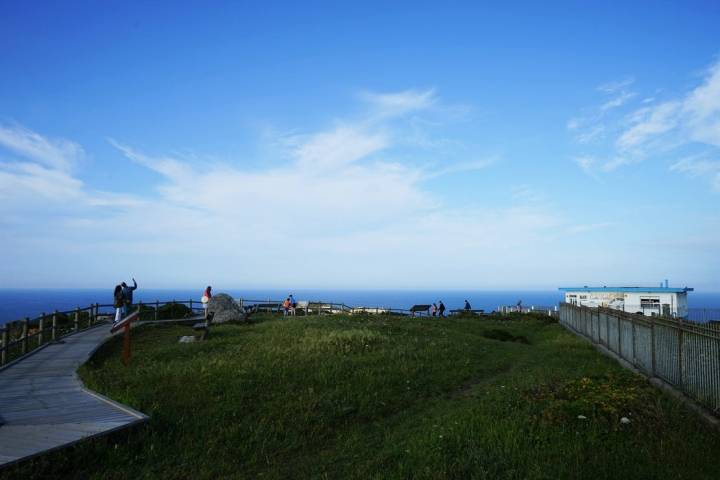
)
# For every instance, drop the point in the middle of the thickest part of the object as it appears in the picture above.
(684, 354)
(317, 307)
(22, 337)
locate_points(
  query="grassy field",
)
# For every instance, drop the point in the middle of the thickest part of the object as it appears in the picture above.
(378, 397)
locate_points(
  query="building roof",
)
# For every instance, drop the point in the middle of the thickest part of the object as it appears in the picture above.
(628, 289)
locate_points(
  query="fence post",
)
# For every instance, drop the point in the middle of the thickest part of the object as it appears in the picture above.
(680, 353)
(633, 340)
(54, 326)
(41, 326)
(77, 319)
(619, 352)
(652, 344)
(24, 344)
(3, 354)
(157, 306)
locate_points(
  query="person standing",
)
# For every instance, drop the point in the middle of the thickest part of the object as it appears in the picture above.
(467, 306)
(127, 292)
(286, 307)
(441, 309)
(118, 303)
(293, 304)
(207, 295)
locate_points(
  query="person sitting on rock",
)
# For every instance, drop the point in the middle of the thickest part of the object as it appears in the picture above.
(207, 295)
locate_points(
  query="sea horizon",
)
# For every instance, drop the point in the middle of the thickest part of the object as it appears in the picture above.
(18, 303)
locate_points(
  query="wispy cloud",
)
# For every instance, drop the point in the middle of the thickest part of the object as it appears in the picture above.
(399, 103)
(690, 121)
(616, 85)
(353, 198)
(699, 166)
(57, 153)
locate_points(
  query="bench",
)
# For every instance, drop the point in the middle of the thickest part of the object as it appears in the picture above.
(419, 308)
(204, 327)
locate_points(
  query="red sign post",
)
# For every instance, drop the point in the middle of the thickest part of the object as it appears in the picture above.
(125, 325)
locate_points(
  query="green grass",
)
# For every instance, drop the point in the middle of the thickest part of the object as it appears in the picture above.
(378, 397)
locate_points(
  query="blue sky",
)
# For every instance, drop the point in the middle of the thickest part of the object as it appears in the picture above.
(360, 144)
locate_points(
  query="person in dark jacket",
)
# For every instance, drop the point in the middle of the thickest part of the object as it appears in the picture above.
(127, 292)
(441, 309)
(467, 306)
(118, 303)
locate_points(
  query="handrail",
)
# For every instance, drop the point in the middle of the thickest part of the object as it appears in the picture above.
(47, 328)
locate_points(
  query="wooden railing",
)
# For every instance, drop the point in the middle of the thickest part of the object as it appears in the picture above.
(21, 337)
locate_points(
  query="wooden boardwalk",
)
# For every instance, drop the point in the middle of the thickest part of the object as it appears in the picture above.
(44, 406)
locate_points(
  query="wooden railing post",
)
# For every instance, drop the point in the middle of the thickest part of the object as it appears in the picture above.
(54, 326)
(24, 344)
(3, 353)
(77, 319)
(157, 307)
(619, 352)
(41, 326)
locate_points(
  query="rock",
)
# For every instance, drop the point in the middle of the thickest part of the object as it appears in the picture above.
(225, 309)
(624, 420)
(187, 339)
(582, 417)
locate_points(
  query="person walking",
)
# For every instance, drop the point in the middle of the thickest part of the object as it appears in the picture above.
(467, 306)
(441, 309)
(118, 303)
(127, 292)
(207, 295)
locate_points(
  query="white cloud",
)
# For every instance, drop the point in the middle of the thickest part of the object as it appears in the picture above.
(400, 103)
(339, 147)
(58, 154)
(586, 163)
(615, 86)
(688, 122)
(617, 101)
(699, 166)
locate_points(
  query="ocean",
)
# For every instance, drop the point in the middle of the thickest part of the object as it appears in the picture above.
(19, 303)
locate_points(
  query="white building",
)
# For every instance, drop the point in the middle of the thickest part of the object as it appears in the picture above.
(669, 301)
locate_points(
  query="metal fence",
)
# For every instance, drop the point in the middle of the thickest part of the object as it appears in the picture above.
(684, 354)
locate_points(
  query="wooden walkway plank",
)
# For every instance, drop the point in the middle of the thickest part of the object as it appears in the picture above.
(44, 405)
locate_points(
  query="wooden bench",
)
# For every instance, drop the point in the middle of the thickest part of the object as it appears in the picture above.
(204, 327)
(419, 309)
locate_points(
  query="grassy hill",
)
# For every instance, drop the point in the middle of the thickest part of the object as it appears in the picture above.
(382, 397)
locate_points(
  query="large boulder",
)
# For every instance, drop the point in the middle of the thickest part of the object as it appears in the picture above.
(225, 309)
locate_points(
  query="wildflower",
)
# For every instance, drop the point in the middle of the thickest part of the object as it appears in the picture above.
(624, 420)
(582, 417)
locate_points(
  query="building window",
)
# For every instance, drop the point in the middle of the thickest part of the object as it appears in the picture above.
(650, 302)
